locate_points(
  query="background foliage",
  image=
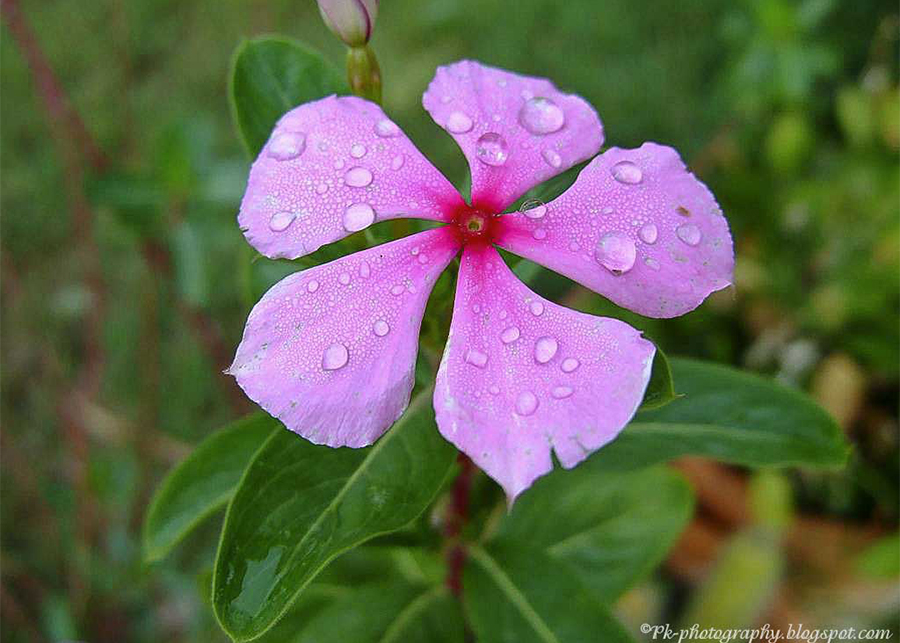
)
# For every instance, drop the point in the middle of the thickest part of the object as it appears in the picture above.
(126, 284)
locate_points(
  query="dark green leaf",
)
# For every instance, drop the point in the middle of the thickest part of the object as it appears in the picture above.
(527, 597)
(728, 415)
(394, 612)
(660, 389)
(610, 529)
(271, 76)
(202, 483)
(300, 505)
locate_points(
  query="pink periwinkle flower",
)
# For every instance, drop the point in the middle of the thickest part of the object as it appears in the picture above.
(331, 351)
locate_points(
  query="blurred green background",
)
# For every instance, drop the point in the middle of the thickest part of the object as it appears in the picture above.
(126, 282)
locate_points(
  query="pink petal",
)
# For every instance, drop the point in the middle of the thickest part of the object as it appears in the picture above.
(521, 375)
(330, 351)
(330, 168)
(637, 227)
(516, 131)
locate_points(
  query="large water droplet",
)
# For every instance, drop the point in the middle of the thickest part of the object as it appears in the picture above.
(651, 263)
(649, 233)
(397, 162)
(494, 389)
(561, 392)
(358, 177)
(536, 213)
(689, 233)
(397, 290)
(491, 149)
(358, 151)
(526, 403)
(386, 128)
(281, 220)
(541, 116)
(553, 159)
(287, 145)
(510, 335)
(544, 349)
(312, 286)
(539, 234)
(569, 364)
(358, 216)
(476, 358)
(616, 252)
(458, 123)
(344, 278)
(365, 270)
(627, 172)
(381, 328)
(321, 188)
(335, 357)
(537, 308)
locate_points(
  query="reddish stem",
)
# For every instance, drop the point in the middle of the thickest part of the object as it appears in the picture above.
(457, 516)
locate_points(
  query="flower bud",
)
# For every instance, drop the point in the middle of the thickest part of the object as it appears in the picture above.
(350, 20)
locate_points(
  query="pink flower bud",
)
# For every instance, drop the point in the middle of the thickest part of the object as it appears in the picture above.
(350, 20)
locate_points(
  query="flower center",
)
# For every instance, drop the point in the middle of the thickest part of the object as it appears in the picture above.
(475, 225)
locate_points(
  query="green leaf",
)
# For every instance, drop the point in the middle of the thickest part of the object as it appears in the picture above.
(728, 415)
(611, 530)
(527, 597)
(300, 505)
(202, 483)
(271, 76)
(394, 612)
(660, 389)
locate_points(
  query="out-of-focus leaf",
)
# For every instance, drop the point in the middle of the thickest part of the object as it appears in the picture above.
(300, 505)
(202, 483)
(608, 530)
(528, 597)
(137, 201)
(881, 560)
(728, 415)
(271, 76)
(660, 388)
(394, 612)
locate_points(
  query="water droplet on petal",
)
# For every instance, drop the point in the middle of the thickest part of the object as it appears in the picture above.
(423, 259)
(552, 157)
(476, 358)
(495, 390)
(358, 177)
(539, 233)
(537, 308)
(322, 188)
(541, 116)
(358, 151)
(689, 233)
(358, 216)
(335, 357)
(651, 263)
(544, 349)
(649, 233)
(312, 286)
(569, 364)
(397, 162)
(397, 290)
(287, 145)
(364, 270)
(338, 164)
(536, 213)
(344, 278)
(381, 328)
(616, 252)
(386, 128)
(627, 172)
(526, 403)
(492, 149)
(281, 220)
(510, 335)
(458, 123)
(561, 392)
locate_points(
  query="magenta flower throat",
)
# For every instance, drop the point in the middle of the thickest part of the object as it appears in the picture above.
(330, 351)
